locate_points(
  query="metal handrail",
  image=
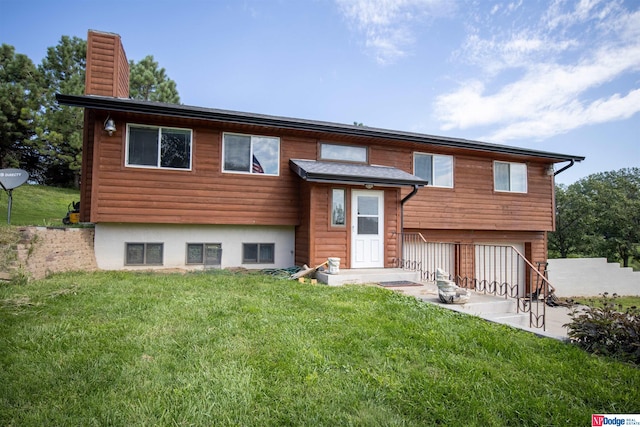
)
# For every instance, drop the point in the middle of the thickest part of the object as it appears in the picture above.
(421, 255)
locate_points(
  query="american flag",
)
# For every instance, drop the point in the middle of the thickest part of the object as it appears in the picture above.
(257, 168)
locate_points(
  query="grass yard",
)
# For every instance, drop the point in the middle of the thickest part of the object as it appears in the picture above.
(37, 205)
(217, 348)
(621, 302)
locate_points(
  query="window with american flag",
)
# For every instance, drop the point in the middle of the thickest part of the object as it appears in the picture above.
(251, 154)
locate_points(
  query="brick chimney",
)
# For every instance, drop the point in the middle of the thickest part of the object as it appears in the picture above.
(107, 66)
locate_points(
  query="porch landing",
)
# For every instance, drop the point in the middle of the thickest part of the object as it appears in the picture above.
(367, 275)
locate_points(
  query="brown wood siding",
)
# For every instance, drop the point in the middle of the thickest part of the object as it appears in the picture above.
(473, 204)
(303, 230)
(107, 68)
(87, 169)
(327, 241)
(392, 226)
(203, 195)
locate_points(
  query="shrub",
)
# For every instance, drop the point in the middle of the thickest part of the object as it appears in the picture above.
(604, 328)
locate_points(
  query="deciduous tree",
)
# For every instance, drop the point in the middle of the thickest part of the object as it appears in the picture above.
(599, 216)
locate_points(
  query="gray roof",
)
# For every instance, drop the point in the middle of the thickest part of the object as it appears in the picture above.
(350, 173)
(184, 111)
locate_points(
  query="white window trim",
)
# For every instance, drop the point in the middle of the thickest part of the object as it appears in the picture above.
(432, 180)
(250, 154)
(159, 128)
(526, 177)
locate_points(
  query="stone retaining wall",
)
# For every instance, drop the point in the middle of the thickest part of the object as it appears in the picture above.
(44, 250)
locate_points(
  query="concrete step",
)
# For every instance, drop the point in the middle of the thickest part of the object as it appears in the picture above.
(367, 275)
(481, 305)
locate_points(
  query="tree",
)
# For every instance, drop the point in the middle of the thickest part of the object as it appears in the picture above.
(59, 127)
(599, 216)
(147, 82)
(615, 200)
(19, 93)
(571, 219)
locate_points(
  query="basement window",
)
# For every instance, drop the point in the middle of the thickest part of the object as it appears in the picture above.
(510, 177)
(207, 254)
(258, 253)
(158, 147)
(144, 253)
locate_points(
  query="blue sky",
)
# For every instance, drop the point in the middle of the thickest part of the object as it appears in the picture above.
(560, 76)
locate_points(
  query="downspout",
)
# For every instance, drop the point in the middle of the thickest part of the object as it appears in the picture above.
(559, 171)
(402, 202)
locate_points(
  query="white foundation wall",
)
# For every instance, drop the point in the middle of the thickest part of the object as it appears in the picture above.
(111, 239)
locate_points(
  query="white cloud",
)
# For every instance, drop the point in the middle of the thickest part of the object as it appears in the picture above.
(388, 25)
(565, 65)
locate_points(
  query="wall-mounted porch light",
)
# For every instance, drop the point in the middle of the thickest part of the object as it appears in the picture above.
(368, 186)
(109, 126)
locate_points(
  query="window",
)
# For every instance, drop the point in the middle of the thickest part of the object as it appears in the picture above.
(209, 254)
(510, 177)
(258, 253)
(347, 153)
(156, 147)
(251, 154)
(436, 169)
(338, 207)
(143, 254)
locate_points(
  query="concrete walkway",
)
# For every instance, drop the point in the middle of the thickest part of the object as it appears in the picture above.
(496, 309)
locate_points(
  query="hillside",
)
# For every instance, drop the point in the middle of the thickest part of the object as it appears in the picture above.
(37, 205)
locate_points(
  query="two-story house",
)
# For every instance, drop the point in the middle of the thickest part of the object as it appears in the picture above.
(182, 186)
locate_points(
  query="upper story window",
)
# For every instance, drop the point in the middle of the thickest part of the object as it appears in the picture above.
(346, 153)
(435, 168)
(510, 177)
(251, 154)
(158, 147)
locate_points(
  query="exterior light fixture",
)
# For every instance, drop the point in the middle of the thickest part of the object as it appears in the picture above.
(550, 170)
(109, 126)
(368, 186)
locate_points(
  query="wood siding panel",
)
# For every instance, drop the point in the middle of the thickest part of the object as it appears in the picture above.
(328, 241)
(203, 195)
(473, 204)
(107, 68)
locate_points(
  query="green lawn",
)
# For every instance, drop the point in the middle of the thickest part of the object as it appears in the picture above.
(37, 205)
(128, 349)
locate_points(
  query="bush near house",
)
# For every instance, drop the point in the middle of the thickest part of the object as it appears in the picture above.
(605, 327)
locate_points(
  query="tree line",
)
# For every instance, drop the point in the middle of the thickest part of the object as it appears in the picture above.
(45, 138)
(599, 216)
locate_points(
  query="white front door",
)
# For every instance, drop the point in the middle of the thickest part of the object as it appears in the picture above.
(367, 229)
